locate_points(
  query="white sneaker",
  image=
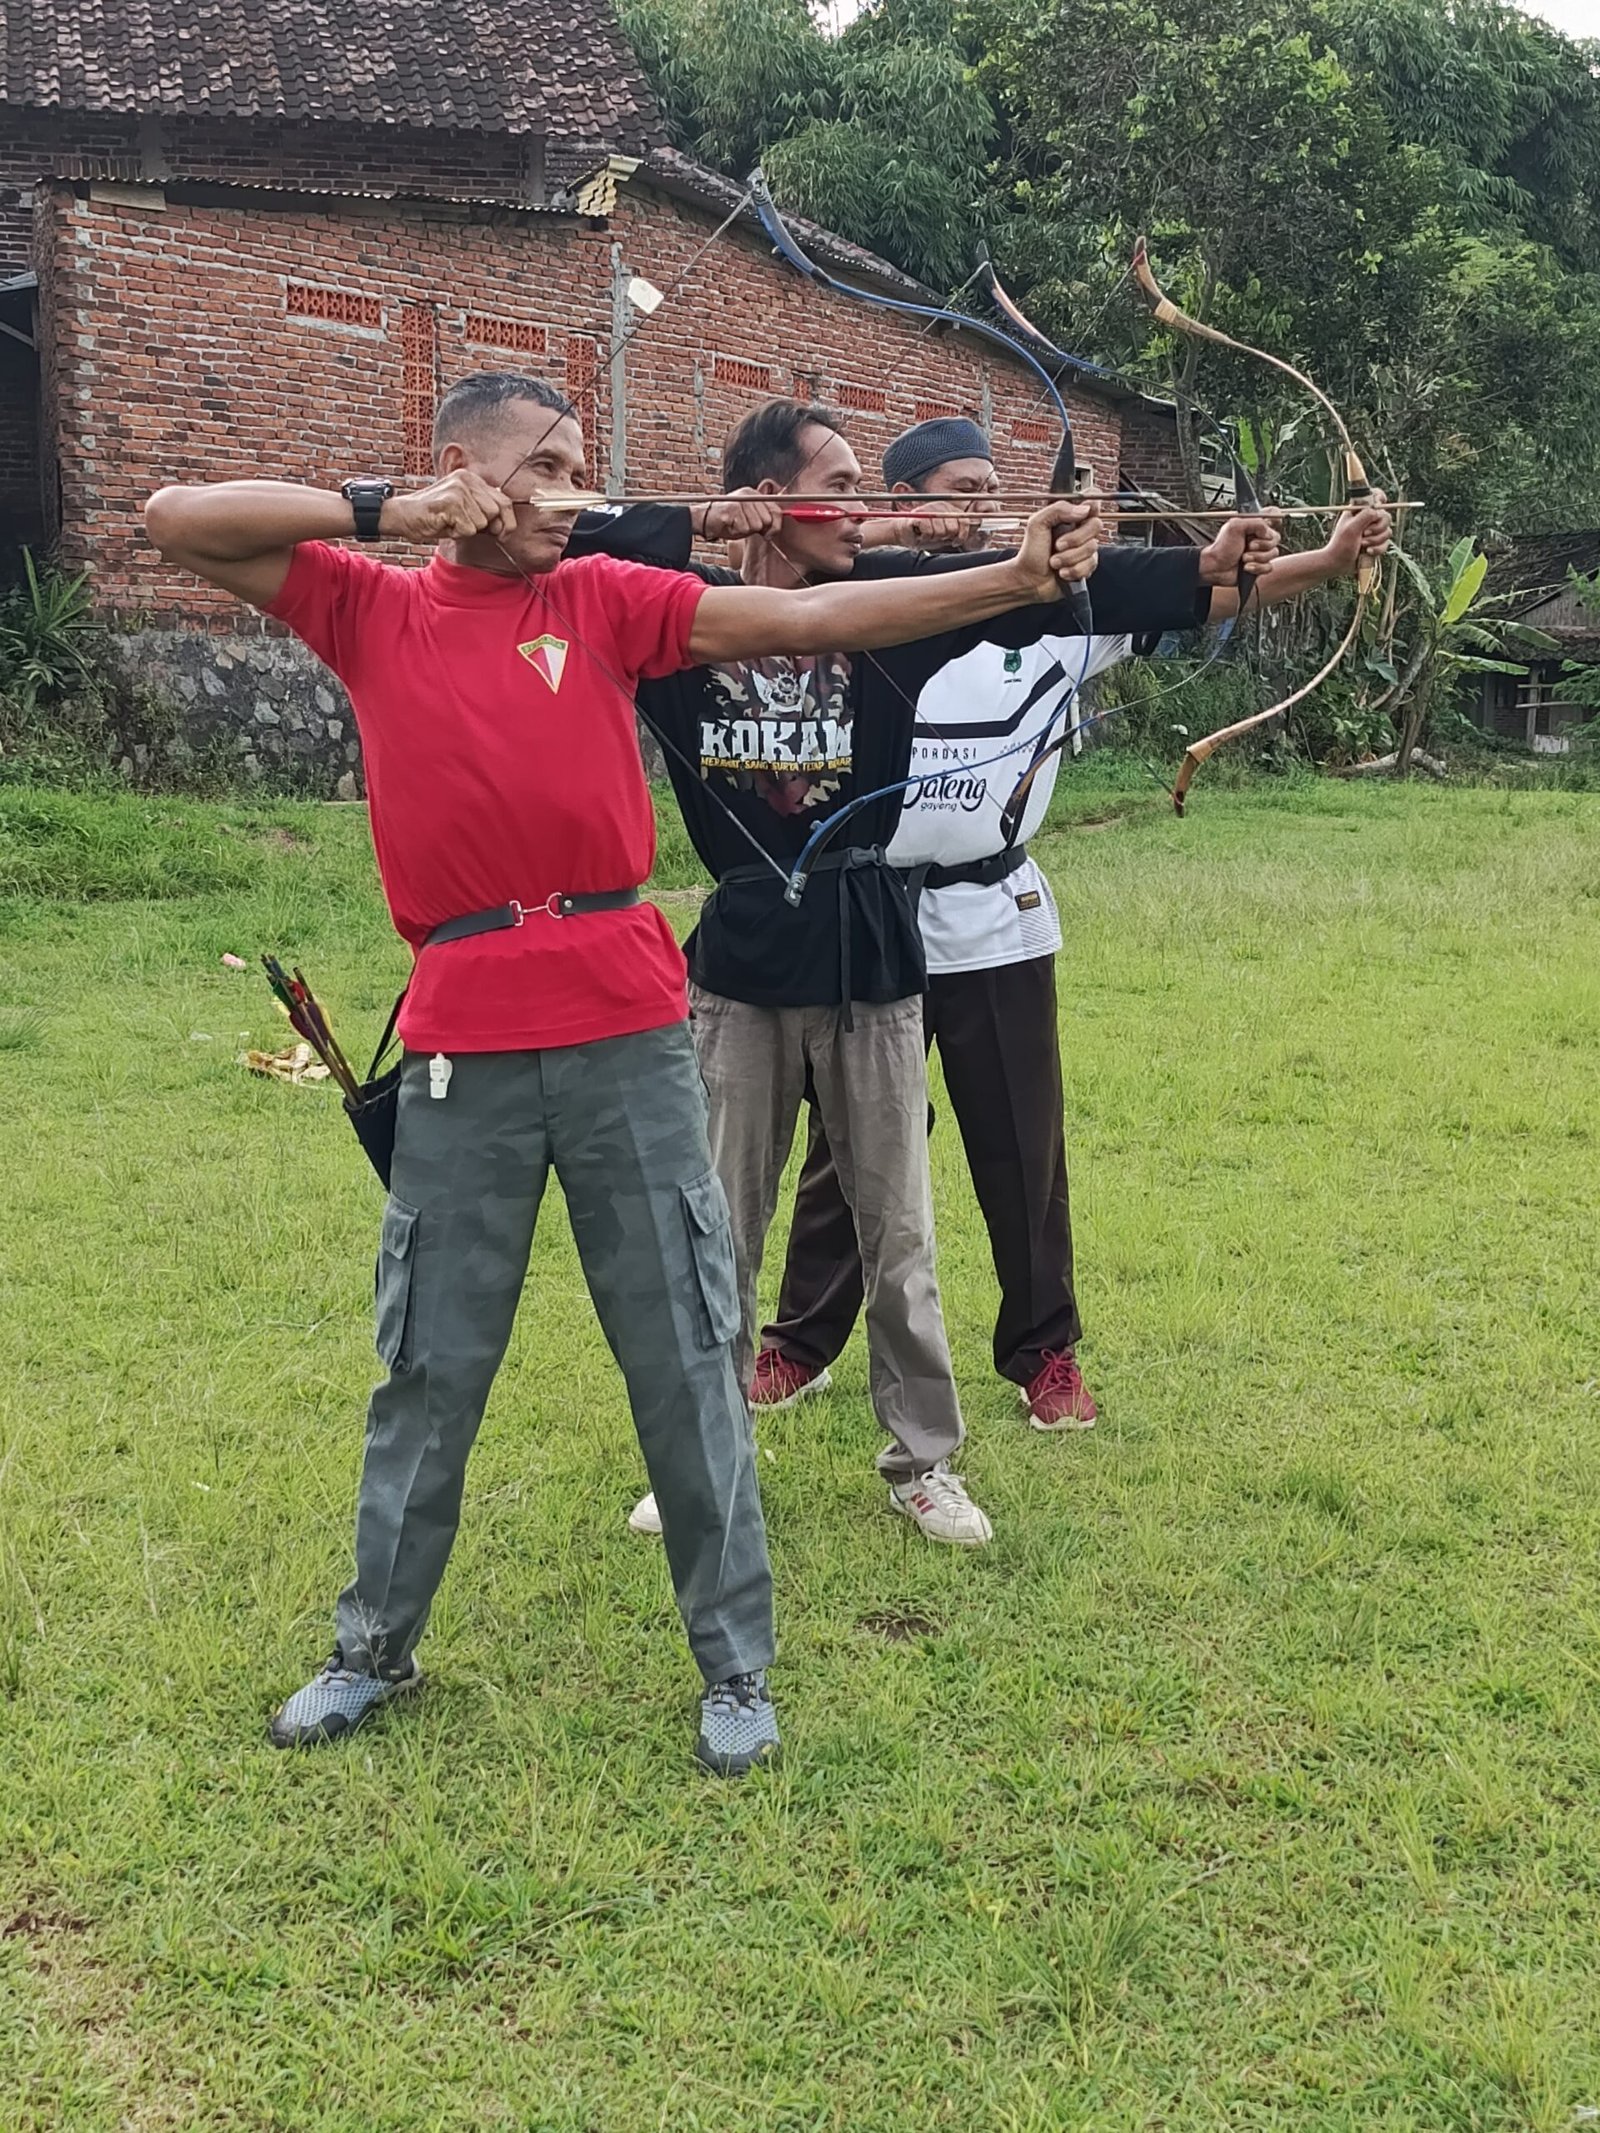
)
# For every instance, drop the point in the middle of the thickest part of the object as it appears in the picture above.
(644, 1517)
(938, 1502)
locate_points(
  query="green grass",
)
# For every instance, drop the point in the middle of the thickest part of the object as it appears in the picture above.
(1252, 1777)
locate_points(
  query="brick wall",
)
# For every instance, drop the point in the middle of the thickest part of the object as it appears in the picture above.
(1150, 454)
(30, 144)
(745, 326)
(194, 342)
(188, 341)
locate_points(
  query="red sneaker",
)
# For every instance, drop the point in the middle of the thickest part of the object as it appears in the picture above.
(1058, 1398)
(776, 1382)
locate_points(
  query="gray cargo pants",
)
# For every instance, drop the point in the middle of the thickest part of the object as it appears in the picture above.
(623, 1122)
(871, 1087)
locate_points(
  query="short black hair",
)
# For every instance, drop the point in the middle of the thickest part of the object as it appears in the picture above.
(765, 446)
(475, 402)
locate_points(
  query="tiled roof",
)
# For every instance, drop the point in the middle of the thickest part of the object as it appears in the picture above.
(1532, 567)
(562, 68)
(677, 173)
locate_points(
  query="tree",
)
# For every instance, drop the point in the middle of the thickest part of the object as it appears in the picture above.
(902, 162)
(732, 75)
(1510, 105)
(1277, 202)
(1404, 199)
(881, 134)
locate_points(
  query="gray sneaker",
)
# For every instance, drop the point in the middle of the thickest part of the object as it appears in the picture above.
(738, 1726)
(336, 1702)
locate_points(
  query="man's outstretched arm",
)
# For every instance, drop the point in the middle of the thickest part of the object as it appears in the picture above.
(242, 535)
(1356, 536)
(1062, 542)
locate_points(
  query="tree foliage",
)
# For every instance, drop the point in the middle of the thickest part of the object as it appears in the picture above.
(882, 134)
(1405, 199)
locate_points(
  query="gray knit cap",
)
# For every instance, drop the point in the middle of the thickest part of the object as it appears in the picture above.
(918, 451)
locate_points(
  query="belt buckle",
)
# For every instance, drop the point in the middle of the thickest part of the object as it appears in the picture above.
(515, 907)
(551, 907)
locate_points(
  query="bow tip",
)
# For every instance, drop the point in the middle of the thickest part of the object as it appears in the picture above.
(1141, 271)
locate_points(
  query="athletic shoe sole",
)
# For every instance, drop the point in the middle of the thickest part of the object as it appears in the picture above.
(1054, 1429)
(649, 1522)
(765, 1757)
(820, 1383)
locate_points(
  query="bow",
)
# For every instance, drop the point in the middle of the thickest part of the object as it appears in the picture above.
(1062, 473)
(1062, 479)
(1246, 503)
(1357, 488)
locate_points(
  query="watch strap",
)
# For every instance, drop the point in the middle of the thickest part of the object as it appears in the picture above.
(366, 499)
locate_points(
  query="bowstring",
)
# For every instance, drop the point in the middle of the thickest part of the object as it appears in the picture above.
(624, 341)
(1047, 392)
(1227, 631)
(663, 741)
(859, 801)
(943, 315)
(534, 581)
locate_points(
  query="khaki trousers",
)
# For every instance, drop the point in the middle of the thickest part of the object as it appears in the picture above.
(871, 1092)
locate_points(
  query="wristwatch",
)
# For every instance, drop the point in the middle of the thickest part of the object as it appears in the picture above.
(366, 496)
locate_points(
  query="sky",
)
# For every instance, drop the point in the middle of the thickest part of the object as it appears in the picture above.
(1579, 18)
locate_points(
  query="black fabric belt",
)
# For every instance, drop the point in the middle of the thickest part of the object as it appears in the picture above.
(842, 860)
(982, 872)
(503, 916)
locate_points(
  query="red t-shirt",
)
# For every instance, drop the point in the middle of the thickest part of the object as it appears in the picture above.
(502, 761)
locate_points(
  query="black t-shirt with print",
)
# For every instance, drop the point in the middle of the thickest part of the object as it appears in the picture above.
(784, 743)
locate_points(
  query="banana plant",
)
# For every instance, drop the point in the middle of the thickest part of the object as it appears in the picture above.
(1455, 632)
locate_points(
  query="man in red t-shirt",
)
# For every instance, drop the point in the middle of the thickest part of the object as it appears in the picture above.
(545, 1026)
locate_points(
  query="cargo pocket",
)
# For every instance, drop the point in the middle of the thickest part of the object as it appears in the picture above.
(396, 1258)
(711, 1247)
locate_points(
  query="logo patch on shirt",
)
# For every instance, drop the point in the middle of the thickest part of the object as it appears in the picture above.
(1029, 900)
(1013, 664)
(548, 658)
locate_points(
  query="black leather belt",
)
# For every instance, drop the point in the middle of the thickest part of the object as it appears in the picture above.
(982, 872)
(841, 860)
(503, 916)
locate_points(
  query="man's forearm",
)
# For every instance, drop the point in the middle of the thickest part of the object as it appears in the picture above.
(1287, 576)
(233, 521)
(867, 617)
(659, 534)
(750, 621)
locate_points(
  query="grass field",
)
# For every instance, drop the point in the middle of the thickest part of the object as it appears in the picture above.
(1250, 1779)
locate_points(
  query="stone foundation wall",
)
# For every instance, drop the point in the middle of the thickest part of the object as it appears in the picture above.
(263, 705)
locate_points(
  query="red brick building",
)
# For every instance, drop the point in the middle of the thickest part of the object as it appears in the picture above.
(238, 239)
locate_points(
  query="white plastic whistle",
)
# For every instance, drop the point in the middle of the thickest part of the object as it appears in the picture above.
(439, 1072)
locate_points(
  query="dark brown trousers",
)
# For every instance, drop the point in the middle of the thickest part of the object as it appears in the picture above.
(1000, 1049)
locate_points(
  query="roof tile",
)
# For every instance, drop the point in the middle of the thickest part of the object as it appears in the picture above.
(463, 65)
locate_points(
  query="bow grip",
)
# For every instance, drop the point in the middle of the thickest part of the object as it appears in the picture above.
(1358, 490)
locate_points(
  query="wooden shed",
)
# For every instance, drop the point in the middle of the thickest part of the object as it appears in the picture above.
(1535, 577)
